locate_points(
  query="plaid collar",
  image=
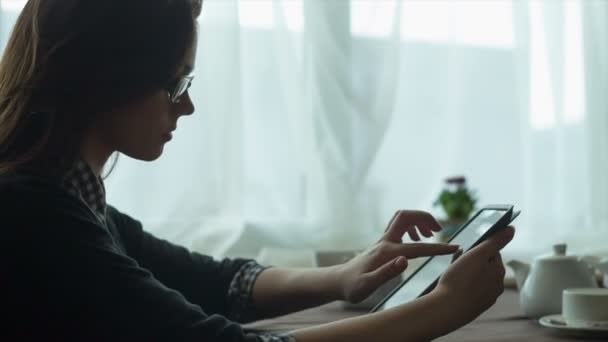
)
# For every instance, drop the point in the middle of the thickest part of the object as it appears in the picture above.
(82, 182)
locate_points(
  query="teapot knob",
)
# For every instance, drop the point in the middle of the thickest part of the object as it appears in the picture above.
(559, 249)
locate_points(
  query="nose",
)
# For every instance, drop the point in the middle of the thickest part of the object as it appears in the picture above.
(185, 106)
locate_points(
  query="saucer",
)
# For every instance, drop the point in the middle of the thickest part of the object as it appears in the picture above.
(558, 323)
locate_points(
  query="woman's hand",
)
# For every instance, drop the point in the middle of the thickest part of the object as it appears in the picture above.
(475, 280)
(388, 257)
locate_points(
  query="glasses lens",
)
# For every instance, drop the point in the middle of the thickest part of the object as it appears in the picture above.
(182, 85)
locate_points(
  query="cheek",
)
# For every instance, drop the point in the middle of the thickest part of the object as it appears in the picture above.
(140, 125)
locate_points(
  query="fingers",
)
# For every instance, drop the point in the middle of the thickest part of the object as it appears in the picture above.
(390, 223)
(457, 255)
(387, 272)
(411, 231)
(498, 271)
(500, 265)
(494, 243)
(416, 250)
(407, 221)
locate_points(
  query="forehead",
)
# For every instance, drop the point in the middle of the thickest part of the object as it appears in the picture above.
(187, 65)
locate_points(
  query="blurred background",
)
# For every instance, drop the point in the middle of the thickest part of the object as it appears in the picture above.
(317, 119)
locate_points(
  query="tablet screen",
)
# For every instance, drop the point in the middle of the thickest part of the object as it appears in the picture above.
(466, 237)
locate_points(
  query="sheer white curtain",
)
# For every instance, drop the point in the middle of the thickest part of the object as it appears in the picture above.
(317, 119)
(562, 80)
(595, 16)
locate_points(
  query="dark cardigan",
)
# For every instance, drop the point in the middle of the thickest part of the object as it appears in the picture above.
(65, 276)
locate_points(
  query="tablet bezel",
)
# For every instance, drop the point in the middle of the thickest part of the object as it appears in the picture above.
(503, 222)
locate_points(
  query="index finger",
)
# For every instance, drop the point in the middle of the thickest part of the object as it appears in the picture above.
(416, 250)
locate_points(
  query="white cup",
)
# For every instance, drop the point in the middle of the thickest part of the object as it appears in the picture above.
(585, 307)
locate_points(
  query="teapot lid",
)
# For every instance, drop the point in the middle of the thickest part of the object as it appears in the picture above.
(559, 249)
(559, 253)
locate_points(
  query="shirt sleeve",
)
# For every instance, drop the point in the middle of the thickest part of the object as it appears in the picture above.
(270, 338)
(240, 293)
(203, 280)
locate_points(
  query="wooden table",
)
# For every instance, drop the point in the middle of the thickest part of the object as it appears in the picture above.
(503, 322)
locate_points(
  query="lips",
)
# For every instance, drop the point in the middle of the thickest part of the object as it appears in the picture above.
(169, 135)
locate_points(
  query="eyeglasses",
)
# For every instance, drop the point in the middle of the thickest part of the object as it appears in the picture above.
(178, 88)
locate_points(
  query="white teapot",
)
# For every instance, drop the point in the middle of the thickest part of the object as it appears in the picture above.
(541, 284)
(602, 267)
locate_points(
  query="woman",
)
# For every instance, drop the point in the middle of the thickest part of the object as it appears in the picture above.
(81, 80)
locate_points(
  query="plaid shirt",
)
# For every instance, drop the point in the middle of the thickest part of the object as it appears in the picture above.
(83, 183)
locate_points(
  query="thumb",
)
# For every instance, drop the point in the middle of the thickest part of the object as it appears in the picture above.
(494, 243)
(388, 271)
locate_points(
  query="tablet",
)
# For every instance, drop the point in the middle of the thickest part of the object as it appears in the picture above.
(485, 222)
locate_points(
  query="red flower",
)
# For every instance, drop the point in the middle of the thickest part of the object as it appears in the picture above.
(459, 180)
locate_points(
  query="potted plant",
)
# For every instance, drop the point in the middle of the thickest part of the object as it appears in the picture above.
(457, 202)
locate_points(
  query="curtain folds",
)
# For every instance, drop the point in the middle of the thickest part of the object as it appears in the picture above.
(309, 134)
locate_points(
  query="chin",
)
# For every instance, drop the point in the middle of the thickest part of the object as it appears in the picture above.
(149, 155)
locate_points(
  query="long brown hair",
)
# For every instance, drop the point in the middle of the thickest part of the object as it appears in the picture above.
(67, 61)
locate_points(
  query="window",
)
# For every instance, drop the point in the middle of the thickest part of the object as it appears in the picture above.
(545, 107)
(482, 23)
(370, 18)
(262, 14)
(12, 5)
